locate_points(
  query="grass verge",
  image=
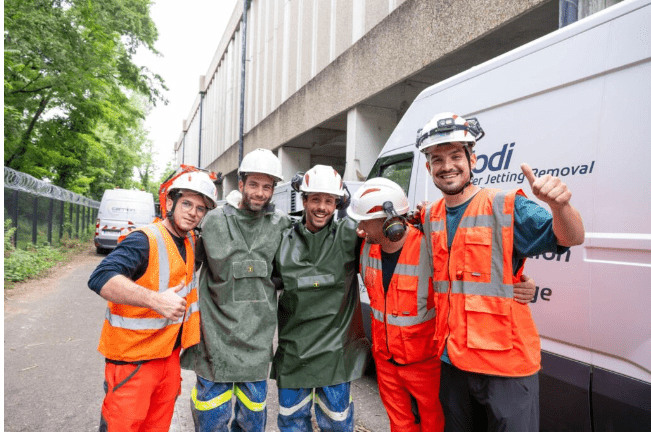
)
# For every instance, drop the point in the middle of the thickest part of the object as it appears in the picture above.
(35, 261)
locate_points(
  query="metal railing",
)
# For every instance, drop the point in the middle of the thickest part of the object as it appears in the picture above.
(38, 210)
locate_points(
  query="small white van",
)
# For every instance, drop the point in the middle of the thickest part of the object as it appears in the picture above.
(120, 211)
(576, 104)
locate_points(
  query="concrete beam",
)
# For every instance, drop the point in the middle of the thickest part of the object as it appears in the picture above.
(418, 37)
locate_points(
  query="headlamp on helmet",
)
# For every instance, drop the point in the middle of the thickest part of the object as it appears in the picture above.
(447, 127)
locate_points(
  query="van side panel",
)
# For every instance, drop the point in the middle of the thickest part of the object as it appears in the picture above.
(574, 104)
(564, 394)
(620, 403)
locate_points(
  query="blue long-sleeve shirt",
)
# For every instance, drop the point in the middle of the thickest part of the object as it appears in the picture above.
(130, 258)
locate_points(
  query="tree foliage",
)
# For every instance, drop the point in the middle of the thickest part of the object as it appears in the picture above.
(73, 112)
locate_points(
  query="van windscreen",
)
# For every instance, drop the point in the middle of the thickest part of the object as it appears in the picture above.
(396, 168)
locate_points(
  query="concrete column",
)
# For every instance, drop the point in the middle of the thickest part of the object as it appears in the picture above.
(333, 30)
(284, 72)
(359, 19)
(367, 132)
(293, 160)
(299, 44)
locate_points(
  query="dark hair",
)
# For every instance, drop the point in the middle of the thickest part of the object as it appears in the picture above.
(245, 175)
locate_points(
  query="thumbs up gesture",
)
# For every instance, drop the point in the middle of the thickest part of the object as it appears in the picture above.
(170, 305)
(547, 188)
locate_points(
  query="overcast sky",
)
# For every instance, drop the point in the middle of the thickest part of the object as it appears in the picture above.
(189, 32)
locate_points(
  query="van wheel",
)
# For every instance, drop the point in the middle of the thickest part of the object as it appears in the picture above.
(100, 251)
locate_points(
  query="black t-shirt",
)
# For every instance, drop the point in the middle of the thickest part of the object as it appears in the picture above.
(389, 262)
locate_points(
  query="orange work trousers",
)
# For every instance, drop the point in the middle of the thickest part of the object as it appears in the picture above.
(141, 397)
(410, 394)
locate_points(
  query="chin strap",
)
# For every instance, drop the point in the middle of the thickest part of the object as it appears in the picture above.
(465, 148)
(462, 187)
(170, 217)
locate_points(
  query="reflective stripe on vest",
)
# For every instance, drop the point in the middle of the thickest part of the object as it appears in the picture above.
(484, 329)
(423, 275)
(496, 222)
(403, 317)
(122, 336)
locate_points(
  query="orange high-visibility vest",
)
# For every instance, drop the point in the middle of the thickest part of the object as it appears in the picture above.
(485, 330)
(402, 319)
(136, 334)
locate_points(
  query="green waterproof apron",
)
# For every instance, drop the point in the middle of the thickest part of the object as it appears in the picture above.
(321, 338)
(237, 299)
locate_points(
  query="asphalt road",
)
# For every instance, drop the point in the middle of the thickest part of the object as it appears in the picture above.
(53, 374)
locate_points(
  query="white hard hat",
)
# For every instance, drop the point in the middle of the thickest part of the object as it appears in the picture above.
(322, 179)
(447, 127)
(261, 161)
(368, 200)
(198, 182)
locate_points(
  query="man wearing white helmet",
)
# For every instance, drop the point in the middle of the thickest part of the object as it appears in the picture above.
(152, 311)
(396, 271)
(402, 307)
(321, 343)
(238, 303)
(489, 345)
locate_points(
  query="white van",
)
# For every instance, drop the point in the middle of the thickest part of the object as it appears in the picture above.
(576, 104)
(120, 211)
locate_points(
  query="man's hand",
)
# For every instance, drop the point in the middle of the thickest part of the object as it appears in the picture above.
(547, 188)
(361, 233)
(169, 304)
(568, 224)
(524, 291)
(421, 205)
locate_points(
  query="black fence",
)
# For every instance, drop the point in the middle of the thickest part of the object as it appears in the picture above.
(43, 213)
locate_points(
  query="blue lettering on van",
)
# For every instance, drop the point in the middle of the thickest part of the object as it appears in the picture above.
(551, 256)
(495, 162)
(545, 294)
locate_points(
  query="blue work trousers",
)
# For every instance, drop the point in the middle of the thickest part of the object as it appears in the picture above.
(333, 409)
(212, 406)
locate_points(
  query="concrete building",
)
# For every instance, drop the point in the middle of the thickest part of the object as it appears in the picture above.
(326, 81)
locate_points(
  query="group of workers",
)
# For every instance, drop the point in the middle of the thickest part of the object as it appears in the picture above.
(453, 340)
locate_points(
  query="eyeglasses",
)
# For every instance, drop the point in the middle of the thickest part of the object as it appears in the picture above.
(187, 206)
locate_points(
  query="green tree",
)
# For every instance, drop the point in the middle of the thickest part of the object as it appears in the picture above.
(68, 78)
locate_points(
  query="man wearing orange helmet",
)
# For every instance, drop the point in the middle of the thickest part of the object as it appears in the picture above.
(478, 240)
(152, 311)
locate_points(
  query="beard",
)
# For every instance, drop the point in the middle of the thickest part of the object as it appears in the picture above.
(456, 188)
(249, 205)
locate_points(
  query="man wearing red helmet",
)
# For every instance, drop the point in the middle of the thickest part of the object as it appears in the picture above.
(152, 311)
